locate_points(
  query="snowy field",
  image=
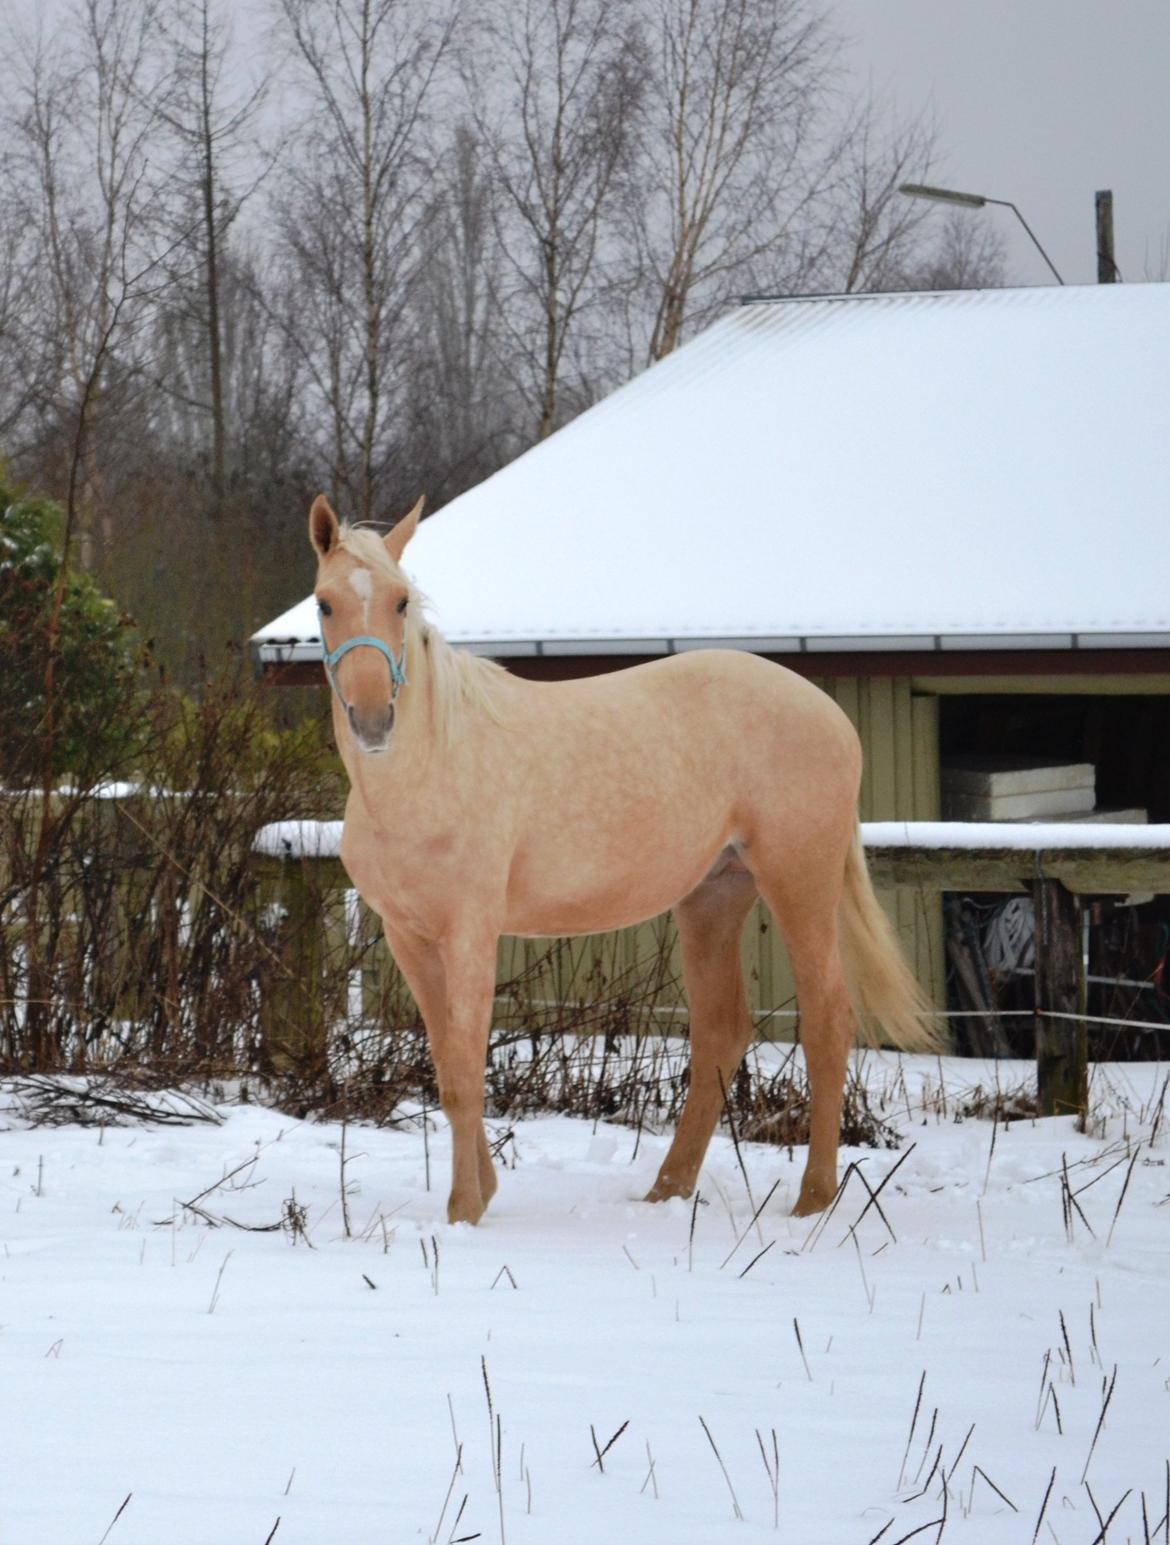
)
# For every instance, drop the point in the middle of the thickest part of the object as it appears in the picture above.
(957, 1341)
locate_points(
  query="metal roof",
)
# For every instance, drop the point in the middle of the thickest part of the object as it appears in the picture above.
(955, 471)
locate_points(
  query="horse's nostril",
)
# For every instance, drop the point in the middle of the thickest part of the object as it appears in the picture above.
(371, 727)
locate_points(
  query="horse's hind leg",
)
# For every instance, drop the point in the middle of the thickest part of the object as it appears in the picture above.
(805, 908)
(710, 924)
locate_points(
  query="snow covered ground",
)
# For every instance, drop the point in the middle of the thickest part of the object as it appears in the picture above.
(952, 1356)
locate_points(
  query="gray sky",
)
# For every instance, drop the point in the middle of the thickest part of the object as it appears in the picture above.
(1038, 101)
(1041, 102)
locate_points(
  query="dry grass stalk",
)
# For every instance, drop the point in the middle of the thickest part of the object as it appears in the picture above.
(736, 1509)
(115, 1518)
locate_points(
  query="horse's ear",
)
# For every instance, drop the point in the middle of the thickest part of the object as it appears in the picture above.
(324, 527)
(397, 538)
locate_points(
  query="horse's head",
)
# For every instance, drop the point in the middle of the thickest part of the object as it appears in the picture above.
(363, 599)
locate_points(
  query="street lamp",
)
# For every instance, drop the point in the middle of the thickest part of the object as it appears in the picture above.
(975, 201)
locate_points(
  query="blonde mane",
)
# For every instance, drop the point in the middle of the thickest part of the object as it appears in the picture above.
(459, 681)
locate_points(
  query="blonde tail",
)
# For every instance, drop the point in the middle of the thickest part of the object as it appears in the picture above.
(888, 1002)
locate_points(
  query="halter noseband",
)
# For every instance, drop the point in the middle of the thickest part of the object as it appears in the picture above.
(364, 640)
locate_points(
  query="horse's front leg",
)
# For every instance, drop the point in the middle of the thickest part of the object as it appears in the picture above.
(458, 1065)
(459, 1050)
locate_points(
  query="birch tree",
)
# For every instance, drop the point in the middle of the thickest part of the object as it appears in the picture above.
(555, 87)
(729, 163)
(354, 211)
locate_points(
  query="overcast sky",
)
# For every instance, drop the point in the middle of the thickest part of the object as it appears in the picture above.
(1038, 101)
(1041, 102)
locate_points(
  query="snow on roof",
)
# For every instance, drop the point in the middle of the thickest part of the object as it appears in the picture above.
(983, 469)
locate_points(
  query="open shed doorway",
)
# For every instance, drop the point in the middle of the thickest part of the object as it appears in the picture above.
(1126, 739)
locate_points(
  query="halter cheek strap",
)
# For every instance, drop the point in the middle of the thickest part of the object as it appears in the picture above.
(360, 641)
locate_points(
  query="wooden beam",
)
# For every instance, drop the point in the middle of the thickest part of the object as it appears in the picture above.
(1137, 683)
(1082, 871)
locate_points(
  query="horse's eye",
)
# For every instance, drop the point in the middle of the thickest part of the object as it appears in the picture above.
(325, 609)
(402, 606)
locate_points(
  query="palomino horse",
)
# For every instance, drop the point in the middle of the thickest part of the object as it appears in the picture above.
(482, 804)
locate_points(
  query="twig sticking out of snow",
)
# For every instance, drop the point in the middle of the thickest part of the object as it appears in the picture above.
(758, 1256)
(1044, 1506)
(691, 1234)
(751, 1223)
(218, 1281)
(979, 1470)
(800, 1348)
(935, 1523)
(1107, 1393)
(456, 1468)
(651, 1479)
(913, 1425)
(495, 1437)
(735, 1143)
(1103, 1531)
(1072, 1372)
(1121, 1198)
(116, 1517)
(772, 1469)
(602, 1452)
(738, 1511)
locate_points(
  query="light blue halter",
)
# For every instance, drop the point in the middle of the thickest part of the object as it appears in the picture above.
(364, 640)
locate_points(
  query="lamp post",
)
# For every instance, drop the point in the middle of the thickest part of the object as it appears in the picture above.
(975, 201)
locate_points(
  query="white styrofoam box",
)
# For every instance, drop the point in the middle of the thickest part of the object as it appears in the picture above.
(1017, 807)
(996, 775)
(1132, 817)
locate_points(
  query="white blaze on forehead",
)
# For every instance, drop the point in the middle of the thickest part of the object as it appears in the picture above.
(363, 583)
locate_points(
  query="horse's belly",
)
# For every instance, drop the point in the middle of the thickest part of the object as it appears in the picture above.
(545, 903)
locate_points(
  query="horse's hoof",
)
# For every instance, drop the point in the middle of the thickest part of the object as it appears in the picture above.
(812, 1199)
(466, 1209)
(664, 1191)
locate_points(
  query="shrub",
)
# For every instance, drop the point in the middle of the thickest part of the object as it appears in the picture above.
(90, 726)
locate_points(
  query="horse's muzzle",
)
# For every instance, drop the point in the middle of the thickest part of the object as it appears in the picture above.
(371, 727)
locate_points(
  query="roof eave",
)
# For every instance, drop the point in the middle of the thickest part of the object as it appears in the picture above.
(266, 652)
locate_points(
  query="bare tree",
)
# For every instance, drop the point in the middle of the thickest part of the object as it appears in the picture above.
(22, 383)
(212, 119)
(554, 86)
(354, 216)
(728, 150)
(82, 132)
(874, 230)
(463, 419)
(969, 253)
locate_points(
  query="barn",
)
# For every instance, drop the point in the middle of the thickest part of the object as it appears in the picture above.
(947, 510)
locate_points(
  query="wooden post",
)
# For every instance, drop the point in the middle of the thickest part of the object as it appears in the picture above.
(1106, 264)
(1062, 1045)
(298, 998)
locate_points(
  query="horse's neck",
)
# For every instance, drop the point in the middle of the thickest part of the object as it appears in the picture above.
(404, 770)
